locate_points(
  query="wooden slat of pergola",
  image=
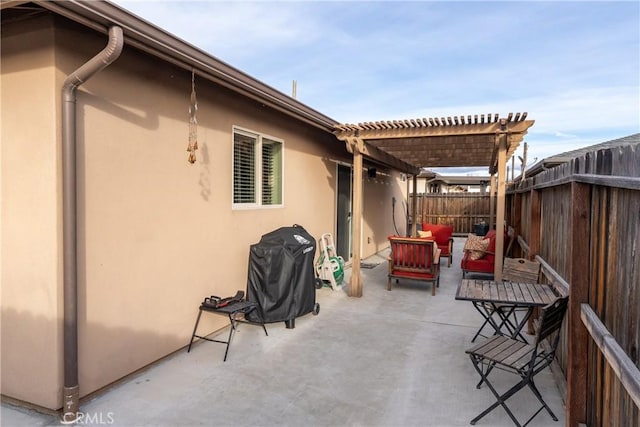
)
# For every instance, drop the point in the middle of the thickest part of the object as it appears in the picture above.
(413, 144)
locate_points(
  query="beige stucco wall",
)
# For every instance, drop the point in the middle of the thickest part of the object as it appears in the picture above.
(31, 242)
(377, 222)
(156, 234)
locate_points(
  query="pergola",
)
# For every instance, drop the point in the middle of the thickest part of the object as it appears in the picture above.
(410, 145)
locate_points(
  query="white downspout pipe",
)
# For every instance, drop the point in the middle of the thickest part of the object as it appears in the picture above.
(71, 396)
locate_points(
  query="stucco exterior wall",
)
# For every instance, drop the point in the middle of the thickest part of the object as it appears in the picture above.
(155, 233)
(377, 224)
(31, 222)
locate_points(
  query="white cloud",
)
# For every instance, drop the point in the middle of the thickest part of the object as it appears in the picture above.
(227, 30)
(573, 66)
(564, 135)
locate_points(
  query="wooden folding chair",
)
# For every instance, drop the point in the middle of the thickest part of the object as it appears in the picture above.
(517, 270)
(513, 270)
(525, 360)
(520, 270)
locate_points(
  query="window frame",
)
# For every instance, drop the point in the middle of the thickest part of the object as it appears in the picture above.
(258, 169)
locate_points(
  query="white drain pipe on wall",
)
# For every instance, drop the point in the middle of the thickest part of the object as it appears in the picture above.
(71, 397)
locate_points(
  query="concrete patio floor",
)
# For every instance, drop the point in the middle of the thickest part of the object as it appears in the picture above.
(387, 359)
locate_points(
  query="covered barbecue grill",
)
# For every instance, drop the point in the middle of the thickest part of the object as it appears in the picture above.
(281, 276)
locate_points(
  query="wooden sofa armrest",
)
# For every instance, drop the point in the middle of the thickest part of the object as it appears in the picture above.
(436, 255)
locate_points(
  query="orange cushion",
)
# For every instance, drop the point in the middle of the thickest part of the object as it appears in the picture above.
(410, 255)
(482, 265)
(440, 232)
(414, 255)
(491, 236)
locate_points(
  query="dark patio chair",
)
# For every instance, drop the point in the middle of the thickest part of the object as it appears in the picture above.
(504, 316)
(524, 360)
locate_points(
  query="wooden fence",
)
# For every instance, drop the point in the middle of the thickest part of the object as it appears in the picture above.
(583, 220)
(462, 210)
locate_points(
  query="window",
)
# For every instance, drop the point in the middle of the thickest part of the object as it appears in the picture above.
(271, 172)
(257, 170)
(244, 168)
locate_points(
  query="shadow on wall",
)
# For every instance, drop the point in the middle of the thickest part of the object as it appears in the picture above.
(392, 217)
(204, 181)
(400, 212)
(32, 372)
(144, 120)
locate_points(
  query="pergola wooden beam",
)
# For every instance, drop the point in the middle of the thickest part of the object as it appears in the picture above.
(433, 122)
(434, 127)
(438, 151)
(355, 143)
(435, 131)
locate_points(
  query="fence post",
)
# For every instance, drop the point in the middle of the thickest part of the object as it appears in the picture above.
(577, 334)
(535, 225)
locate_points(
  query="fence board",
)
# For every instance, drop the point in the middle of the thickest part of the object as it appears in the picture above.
(462, 210)
(621, 364)
(613, 242)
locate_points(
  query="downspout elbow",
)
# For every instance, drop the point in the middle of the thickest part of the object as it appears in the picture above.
(106, 56)
(71, 391)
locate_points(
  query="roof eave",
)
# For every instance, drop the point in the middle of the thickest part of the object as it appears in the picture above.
(138, 33)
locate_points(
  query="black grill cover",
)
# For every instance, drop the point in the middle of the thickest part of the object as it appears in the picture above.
(281, 276)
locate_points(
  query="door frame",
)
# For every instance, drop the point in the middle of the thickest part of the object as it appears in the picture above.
(340, 228)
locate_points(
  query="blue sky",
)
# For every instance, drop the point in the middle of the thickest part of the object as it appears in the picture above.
(574, 66)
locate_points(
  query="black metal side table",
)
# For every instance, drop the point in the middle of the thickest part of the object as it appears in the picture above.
(236, 312)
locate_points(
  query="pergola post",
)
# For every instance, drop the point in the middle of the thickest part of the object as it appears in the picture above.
(492, 201)
(500, 205)
(355, 285)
